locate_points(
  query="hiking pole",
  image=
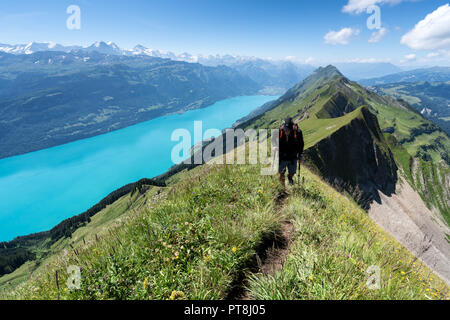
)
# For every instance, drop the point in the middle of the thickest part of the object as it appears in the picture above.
(299, 171)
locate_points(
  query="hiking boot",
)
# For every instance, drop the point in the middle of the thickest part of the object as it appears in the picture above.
(291, 181)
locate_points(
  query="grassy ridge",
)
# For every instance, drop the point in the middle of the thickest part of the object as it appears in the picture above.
(197, 236)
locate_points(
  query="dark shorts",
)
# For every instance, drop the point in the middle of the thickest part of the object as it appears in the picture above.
(291, 165)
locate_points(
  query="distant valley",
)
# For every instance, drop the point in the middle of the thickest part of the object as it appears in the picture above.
(432, 99)
(434, 74)
(427, 90)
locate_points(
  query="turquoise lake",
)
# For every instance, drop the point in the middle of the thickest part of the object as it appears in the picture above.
(40, 189)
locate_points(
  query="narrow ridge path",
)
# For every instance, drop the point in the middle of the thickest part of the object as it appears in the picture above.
(270, 254)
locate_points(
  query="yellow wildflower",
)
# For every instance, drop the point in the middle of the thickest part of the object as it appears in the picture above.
(234, 249)
(176, 295)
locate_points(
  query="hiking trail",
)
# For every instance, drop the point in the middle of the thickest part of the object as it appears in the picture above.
(270, 254)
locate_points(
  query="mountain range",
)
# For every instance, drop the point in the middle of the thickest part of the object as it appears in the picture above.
(253, 65)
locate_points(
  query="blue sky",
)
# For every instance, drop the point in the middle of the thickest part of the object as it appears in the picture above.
(276, 29)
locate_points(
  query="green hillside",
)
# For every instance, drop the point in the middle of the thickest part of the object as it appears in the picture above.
(228, 232)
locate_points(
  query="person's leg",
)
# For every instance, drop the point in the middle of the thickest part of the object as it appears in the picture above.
(282, 178)
(292, 167)
(291, 179)
(282, 171)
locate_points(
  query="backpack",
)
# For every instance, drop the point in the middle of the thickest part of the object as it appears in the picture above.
(294, 127)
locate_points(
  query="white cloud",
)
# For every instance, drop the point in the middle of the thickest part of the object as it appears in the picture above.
(358, 6)
(310, 60)
(291, 58)
(368, 60)
(378, 35)
(431, 33)
(440, 55)
(433, 54)
(340, 37)
(410, 57)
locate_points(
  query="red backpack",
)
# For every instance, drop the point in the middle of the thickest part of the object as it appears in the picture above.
(295, 128)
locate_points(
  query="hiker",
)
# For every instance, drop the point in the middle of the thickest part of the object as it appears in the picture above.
(290, 150)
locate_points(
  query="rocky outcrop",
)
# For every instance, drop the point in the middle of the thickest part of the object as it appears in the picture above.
(406, 217)
(356, 159)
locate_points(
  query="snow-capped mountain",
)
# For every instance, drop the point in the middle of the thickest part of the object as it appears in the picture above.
(112, 49)
(105, 48)
(33, 47)
(141, 50)
(257, 67)
(208, 60)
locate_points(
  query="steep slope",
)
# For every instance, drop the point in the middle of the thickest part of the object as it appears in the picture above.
(405, 216)
(431, 180)
(355, 158)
